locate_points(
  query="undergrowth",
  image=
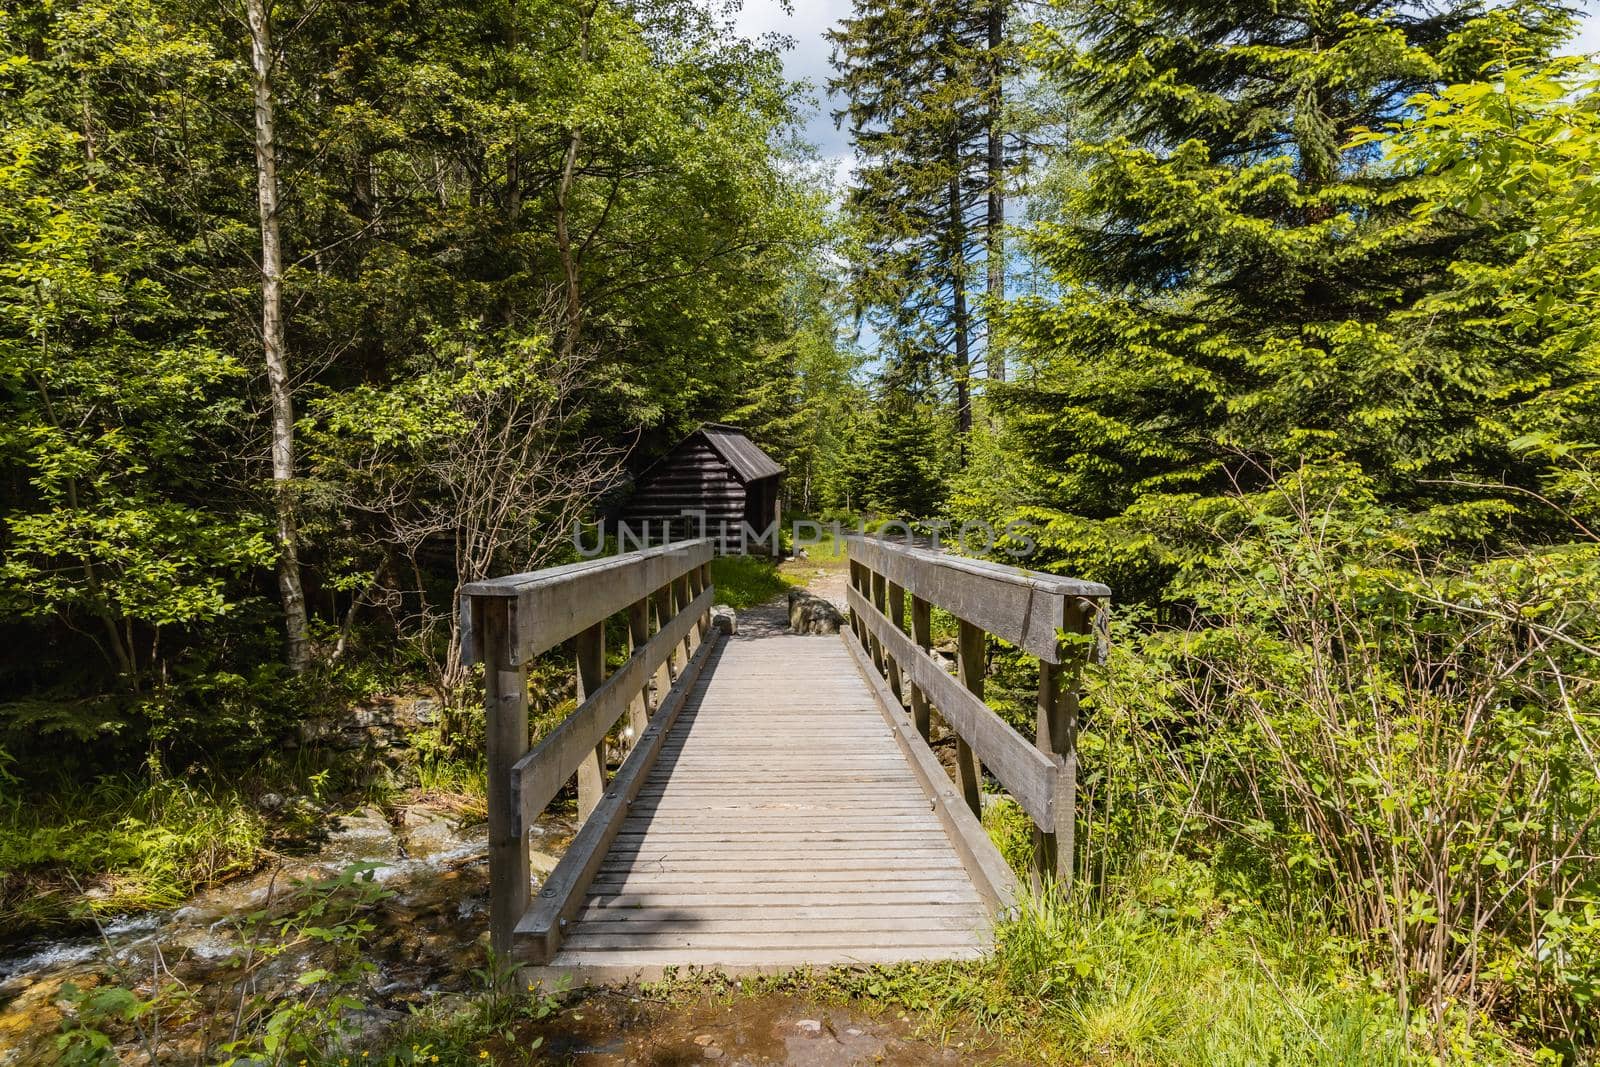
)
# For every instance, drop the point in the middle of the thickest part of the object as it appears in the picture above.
(118, 844)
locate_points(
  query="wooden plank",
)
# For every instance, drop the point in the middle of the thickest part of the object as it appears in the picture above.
(660, 921)
(1027, 774)
(554, 604)
(991, 875)
(1025, 608)
(911, 898)
(540, 774)
(539, 930)
(865, 935)
(973, 913)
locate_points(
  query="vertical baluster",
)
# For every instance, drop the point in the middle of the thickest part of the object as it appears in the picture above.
(972, 645)
(897, 616)
(591, 672)
(639, 708)
(667, 673)
(1054, 851)
(505, 708)
(875, 593)
(680, 600)
(922, 634)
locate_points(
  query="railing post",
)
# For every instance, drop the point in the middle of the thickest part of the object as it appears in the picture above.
(880, 659)
(856, 571)
(699, 578)
(639, 709)
(667, 673)
(591, 672)
(1054, 853)
(897, 618)
(972, 645)
(680, 602)
(922, 634)
(505, 709)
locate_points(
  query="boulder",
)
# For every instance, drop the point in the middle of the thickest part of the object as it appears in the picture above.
(725, 619)
(810, 614)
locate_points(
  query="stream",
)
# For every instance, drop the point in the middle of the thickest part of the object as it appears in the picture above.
(426, 942)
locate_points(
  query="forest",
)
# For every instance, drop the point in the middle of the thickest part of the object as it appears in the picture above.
(1280, 320)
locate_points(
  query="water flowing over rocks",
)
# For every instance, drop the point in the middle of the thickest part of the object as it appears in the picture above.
(425, 945)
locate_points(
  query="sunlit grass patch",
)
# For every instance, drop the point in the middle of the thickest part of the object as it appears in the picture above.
(745, 581)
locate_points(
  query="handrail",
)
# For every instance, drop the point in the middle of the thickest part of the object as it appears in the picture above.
(667, 595)
(1034, 611)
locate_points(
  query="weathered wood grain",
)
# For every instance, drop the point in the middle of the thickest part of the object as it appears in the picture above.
(1027, 774)
(539, 930)
(540, 774)
(1025, 608)
(551, 605)
(781, 825)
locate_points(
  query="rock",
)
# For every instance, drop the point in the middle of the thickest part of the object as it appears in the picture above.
(269, 802)
(433, 836)
(809, 1026)
(810, 614)
(713, 1052)
(542, 863)
(725, 619)
(365, 835)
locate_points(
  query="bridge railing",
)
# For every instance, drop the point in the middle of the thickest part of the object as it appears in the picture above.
(667, 595)
(1058, 621)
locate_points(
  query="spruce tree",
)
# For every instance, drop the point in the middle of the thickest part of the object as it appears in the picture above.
(924, 87)
(1236, 272)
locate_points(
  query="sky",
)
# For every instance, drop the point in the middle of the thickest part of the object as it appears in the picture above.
(808, 57)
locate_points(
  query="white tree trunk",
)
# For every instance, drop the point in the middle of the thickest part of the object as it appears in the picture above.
(297, 647)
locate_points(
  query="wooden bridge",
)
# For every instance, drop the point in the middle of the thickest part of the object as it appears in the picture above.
(777, 804)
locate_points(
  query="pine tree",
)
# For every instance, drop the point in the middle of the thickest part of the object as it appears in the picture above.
(1235, 274)
(924, 84)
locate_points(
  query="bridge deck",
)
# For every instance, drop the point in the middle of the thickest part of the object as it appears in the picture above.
(781, 827)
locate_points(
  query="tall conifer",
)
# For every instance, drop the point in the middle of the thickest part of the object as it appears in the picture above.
(923, 83)
(1235, 271)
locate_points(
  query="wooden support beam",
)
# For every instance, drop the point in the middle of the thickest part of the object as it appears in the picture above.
(1054, 850)
(897, 619)
(661, 601)
(877, 593)
(922, 634)
(591, 674)
(639, 708)
(680, 602)
(505, 709)
(973, 646)
(1026, 773)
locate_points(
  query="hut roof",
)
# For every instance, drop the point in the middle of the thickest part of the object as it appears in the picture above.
(748, 462)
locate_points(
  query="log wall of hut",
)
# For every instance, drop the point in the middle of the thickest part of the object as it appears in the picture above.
(694, 478)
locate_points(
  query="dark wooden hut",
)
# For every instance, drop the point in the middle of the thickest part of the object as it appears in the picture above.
(717, 470)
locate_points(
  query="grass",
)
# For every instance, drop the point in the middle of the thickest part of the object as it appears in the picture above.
(119, 844)
(745, 581)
